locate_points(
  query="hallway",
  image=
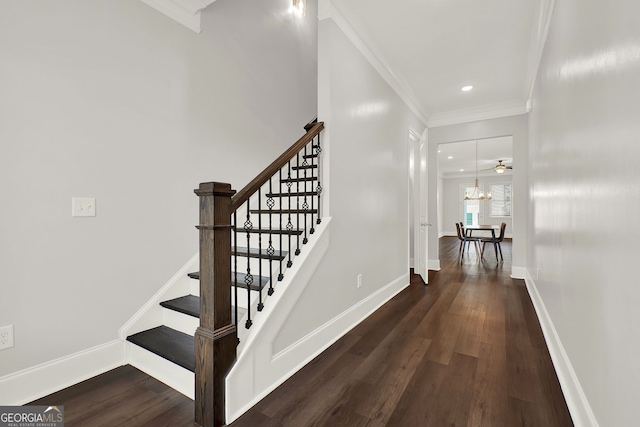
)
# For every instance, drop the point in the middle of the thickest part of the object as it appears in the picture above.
(467, 350)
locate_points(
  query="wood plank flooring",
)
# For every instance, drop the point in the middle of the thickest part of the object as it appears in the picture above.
(466, 350)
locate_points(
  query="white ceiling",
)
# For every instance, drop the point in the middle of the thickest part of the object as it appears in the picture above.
(435, 47)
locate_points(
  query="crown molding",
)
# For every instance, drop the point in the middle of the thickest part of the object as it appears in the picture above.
(482, 112)
(538, 40)
(327, 10)
(185, 12)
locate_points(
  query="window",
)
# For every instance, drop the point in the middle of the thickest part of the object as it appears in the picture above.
(470, 208)
(500, 199)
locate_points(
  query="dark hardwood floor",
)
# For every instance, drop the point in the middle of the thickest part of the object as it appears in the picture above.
(467, 350)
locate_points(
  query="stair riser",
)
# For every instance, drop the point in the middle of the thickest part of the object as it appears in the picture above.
(179, 321)
(160, 368)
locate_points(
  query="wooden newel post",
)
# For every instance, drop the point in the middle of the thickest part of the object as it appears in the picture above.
(216, 338)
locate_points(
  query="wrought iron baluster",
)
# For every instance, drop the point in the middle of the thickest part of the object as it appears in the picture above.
(260, 304)
(289, 224)
(248, 278)
(281, 274)
(305, 205)
(312, 229)
(270, 249)
(298, 202)
(318, 150)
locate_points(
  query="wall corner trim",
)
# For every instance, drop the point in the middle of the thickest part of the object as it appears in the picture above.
(327, 10)
(38, 381)
(579, 407)
(185, 12)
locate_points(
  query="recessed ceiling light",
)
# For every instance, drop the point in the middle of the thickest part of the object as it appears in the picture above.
(467, 88)
(450, 157)
(461, 170)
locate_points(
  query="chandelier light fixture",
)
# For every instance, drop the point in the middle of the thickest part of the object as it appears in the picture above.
(476, 193)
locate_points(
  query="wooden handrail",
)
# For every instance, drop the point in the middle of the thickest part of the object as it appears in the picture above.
(244, 194)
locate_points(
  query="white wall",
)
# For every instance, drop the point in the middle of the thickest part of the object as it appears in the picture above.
(367, 145)
(517, 127)
(113, 100)
(450, 198)
(585, 198)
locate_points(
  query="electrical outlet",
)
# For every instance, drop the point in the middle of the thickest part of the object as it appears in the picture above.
(359, 281)
(6, 337)
(83, 206)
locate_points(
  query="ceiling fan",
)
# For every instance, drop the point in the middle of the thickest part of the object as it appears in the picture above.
(499, 168)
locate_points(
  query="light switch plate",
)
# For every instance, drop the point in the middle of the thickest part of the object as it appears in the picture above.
(83, 206)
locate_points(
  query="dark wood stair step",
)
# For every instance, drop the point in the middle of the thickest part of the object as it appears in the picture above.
(293, 194)
(190, 305)
(310, 156)
(262, 254)
(297, 168)
(284, 211)
(174, 346)
(239, 281)
(270, 231)
(300, 179)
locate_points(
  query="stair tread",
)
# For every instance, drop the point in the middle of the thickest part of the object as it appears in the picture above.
(255, 253)
(300, 179)
(190, 305)
(279, 211)
(240, 283)
(293, 194)
(270, 231)
(174, 346)
(296, 168)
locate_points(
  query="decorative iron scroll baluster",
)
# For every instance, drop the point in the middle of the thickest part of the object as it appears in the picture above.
(318, 150)
(260, 304)
(313, 167)
(281, 274)
(270, 249)
(298, 202)
(289, 224)
(248, 278)
(305, 205)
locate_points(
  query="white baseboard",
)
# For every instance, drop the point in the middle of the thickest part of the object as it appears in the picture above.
(577, 402)
(433, 264)
(518, 272)
(33, 383)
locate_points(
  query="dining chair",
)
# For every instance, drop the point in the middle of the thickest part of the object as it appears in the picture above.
(498, 240)
(460, 230)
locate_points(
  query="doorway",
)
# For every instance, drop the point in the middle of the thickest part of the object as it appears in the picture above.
(418, 205)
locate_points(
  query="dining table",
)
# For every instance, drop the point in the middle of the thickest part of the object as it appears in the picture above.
(469, 229)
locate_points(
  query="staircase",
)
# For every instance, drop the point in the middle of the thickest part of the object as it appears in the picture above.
(248, 241)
